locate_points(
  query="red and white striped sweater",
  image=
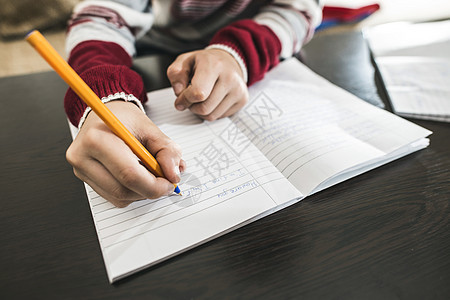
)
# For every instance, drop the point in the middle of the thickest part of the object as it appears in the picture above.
(102, 37)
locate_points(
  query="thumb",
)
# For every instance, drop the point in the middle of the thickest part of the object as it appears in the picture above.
(180, 72)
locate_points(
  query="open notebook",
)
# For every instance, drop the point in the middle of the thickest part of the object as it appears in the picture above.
(414, 63)
(298, 134)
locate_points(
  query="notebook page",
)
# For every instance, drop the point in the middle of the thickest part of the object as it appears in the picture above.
(222, 190)
(428, 39)
(312, 130)
(225, 147)
(418, 86)
(414, 61)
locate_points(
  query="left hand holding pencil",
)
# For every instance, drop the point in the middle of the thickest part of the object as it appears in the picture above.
(107, 164)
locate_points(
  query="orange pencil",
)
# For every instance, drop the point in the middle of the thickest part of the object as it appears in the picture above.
(38, 41)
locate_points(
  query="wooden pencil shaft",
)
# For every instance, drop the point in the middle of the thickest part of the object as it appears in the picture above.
(43, 47)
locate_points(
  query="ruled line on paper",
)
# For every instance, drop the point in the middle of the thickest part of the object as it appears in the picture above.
(242, 175)
(218, 183)
(250, 183)
(187, 192)
(223, 194)
(183, 217)
(104, 239)
(256, 167)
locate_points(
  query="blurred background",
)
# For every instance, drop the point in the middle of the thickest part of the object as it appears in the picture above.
(19, 17)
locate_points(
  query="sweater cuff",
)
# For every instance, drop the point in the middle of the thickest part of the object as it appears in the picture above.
(236, 56)
(117, 96)
(255, 44)
(107, 82)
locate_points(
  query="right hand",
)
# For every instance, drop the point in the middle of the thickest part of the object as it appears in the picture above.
(106, 163)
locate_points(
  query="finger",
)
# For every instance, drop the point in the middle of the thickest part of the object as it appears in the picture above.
(239, 98)
(232, 110)
(202, 83)
(216, 96)
(157, 143)
(126, 169)
(117, 202)
(180, 71)
(226, 108)
(168, 155)
(226, 99)
(182, 166)
(102, 181)
(170, 165)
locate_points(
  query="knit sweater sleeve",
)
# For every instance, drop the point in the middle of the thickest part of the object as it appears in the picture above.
(105, 67)
(100, 43)
(278, 31)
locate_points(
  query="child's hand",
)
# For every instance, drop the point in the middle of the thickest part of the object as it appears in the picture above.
(208, 82)
(107, 164)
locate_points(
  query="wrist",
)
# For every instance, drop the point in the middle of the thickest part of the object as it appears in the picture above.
(235, 55)
(115, 97)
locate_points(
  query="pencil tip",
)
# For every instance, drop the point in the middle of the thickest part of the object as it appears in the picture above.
(178, 191)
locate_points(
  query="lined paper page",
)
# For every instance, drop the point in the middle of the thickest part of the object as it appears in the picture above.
(222, 190)
(414, 62)
(418, 86)
(311, 130)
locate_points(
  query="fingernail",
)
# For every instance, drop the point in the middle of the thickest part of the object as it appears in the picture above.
(177, 88)
(177, 172)
(182, 166)
(180, 107)
(170, 189)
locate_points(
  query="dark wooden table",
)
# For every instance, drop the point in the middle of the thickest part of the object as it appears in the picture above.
(382, 235)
